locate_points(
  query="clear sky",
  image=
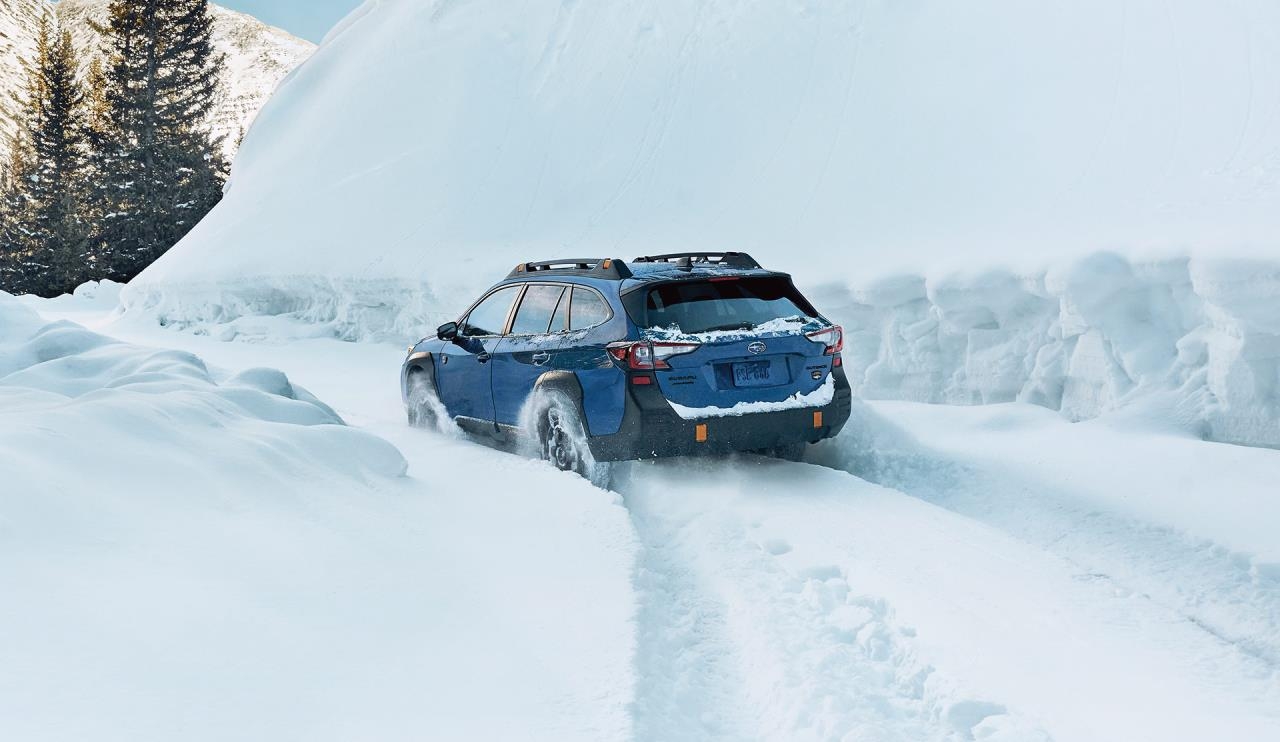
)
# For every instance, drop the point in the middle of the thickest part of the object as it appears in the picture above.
(310, 19)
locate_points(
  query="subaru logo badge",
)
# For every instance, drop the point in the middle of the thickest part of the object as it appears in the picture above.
(757, 348)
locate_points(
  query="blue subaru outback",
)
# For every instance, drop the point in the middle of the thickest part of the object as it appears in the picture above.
(597, 360)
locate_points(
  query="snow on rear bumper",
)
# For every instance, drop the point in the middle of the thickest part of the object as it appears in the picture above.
(820, 397)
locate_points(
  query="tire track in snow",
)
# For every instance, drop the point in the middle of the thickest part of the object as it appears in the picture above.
(688, 674)
(1203, 583)
(735, 643)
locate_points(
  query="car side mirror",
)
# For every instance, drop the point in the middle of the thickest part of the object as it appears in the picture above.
(448, 331)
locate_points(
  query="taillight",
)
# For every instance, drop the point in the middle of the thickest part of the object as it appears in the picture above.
(832, 337)
(648, 356)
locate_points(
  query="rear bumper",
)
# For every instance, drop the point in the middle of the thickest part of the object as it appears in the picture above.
(652, 429)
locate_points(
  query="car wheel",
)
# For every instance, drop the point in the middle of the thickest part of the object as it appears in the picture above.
(422, 405)
(562, 438)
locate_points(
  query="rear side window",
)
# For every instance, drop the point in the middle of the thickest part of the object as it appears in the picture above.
(588, 310)
(490, 316)
(536, 309)
(706, 306)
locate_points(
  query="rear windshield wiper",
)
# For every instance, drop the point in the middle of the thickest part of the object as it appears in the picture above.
(732, 326)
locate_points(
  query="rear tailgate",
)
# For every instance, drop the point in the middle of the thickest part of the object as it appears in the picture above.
(767, 368)
(745, 334)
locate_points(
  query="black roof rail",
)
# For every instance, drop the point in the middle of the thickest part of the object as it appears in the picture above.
(739, 260)
(594, 267)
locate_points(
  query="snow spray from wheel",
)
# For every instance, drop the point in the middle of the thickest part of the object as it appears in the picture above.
(431, 412)
(551, 429)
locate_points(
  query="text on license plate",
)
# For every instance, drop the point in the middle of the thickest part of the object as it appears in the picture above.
(755, 373)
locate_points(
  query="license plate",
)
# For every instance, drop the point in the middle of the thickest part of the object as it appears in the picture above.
(755, 373)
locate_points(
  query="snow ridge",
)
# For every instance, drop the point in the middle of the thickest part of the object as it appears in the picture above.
(1193, 342)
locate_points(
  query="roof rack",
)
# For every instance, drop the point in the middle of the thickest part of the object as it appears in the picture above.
(595, 267)
(739, 260)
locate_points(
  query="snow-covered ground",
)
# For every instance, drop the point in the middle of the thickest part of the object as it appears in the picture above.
(1066, 213)
(206, 552)
(935, 573)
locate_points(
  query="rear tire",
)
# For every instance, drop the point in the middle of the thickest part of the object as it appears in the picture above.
(562, 438)
(421, 404)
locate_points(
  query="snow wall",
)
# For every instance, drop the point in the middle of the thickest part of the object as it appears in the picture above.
(1072, 203)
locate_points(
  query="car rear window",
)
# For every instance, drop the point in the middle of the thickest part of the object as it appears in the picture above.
(587, 310)
(725, 304)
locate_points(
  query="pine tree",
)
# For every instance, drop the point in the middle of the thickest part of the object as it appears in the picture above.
(98, 140)
(47, 233)
(56, 184)
(13, 243)
(160, 169)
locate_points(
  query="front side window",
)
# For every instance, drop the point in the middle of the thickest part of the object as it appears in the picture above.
(587, 310)
(489, 317)
(536, 308)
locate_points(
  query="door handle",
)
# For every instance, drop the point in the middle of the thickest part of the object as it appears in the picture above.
(541, 357)
(483, 357)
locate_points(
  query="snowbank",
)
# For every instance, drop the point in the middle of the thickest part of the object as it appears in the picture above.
(428, 146)
(1193, 342)
(188, 553)
(918, 167)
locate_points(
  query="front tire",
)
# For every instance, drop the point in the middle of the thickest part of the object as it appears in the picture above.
(421, 405)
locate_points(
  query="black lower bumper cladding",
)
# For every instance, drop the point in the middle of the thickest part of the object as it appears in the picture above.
(652, 429)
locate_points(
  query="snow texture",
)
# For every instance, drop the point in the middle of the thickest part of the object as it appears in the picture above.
(935, 573)
(1001, 144)
(197, 554)
(1195, 343)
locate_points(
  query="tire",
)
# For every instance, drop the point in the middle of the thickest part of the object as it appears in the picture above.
(561, 438)
(422, 404)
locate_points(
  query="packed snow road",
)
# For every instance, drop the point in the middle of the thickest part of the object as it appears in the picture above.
(1004, 578)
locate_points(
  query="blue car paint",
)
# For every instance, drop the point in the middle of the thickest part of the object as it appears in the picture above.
(497, 388)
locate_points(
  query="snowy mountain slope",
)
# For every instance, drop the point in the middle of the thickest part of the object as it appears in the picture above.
(258, 56)
(1031, 580)
(840, 141)
(188, 553)
(857, 136)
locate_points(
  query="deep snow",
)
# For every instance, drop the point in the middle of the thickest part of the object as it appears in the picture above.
(447, 140)
(192, 553)
(939, 177)
(943, 179)
(1192, 344)
(1017, 578)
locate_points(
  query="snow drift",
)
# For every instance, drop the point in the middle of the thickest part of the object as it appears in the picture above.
(190, 553)
(428, 146)
(1195, 344)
